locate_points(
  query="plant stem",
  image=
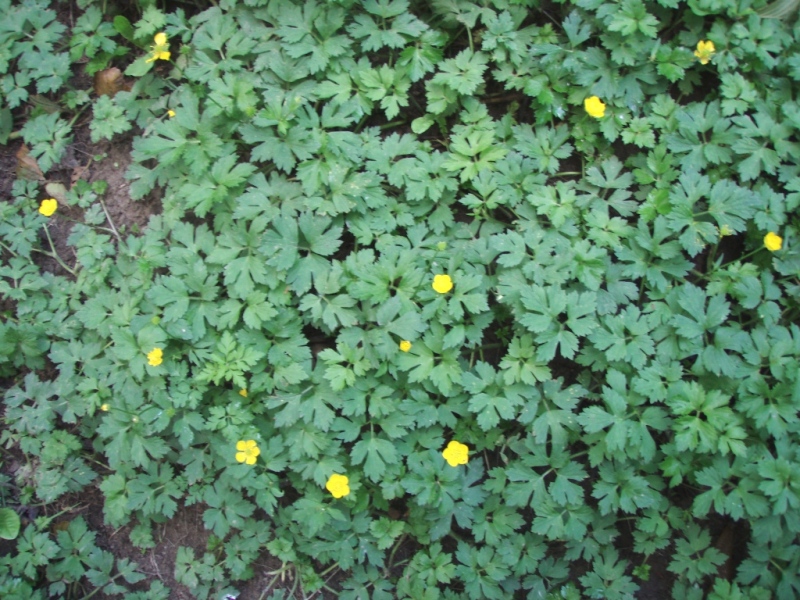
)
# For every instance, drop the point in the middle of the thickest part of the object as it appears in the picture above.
(268, 588)
(97, 589)
(397, 544)
(8, 249)
(55, 254)
(110, 222)
(329, 569)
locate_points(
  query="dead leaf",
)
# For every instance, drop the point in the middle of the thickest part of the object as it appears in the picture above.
(108, 82)
(57, 190)
(27, 167)
(78, 172)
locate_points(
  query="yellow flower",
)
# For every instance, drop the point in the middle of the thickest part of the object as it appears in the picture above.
(243, 393)
(170, 112)
(48, 207)
(247, 451)
(104, 407)
(159, 51)
(442, 283)
(456, 453)
(338, 485)
(704, 51)
(405, 345)
(155, 357)
(773, 242)
(595, 107)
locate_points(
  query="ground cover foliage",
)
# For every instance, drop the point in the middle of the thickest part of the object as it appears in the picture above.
(390, 230)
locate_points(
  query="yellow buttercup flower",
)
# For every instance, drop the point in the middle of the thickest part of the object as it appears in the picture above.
(442, 283)
(595, 107)
(247, 451)
(405, 345)
(104, 407)
(155, 357)
(338, 485)
(773, 242)
(170, 113)
(704, 51)
(456, 453)
(243, 393)
(160, 50)
(48, 207)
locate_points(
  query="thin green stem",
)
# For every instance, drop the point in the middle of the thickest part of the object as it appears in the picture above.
(55, 254)
(268, 588)
(97, 589)
(8, 249)
(329, 569)
(397, 544)
(110, 222)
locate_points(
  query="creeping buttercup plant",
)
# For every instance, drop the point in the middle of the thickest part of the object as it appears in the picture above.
(443, 299)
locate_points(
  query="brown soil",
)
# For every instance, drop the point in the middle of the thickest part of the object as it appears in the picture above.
(128, 216)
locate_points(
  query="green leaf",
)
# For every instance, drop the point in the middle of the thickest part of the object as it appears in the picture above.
(629, 17)
(375, 453)
(464, 73)
(152, 21)
(48, 136)
(625, 337)
(9, 524)
(421, 124)
(386, 531)
(608, 577)
(123, 26)
(7, 124)
(139, 68)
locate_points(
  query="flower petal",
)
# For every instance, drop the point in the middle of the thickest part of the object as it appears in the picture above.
(442, 283)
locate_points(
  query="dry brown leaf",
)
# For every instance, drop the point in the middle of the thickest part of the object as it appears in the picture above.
(56, 190)
(27, 167)
(108, 82)
(77, 173)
